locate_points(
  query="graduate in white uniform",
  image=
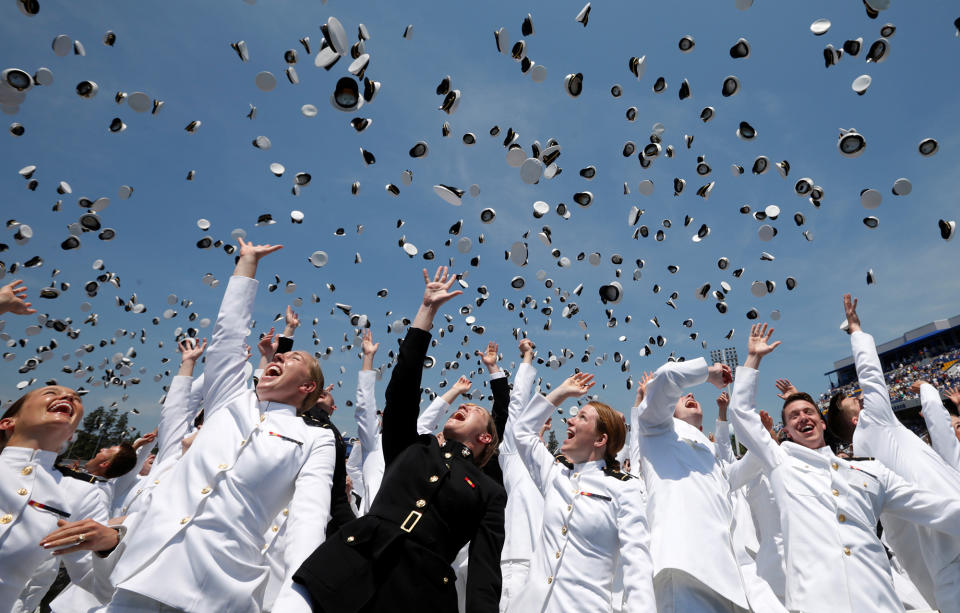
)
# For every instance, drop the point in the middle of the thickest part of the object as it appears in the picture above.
(37, 501)
(931, 559)
(201, 549)
(591, 518)
(943, 427)
(829, 506)
(688, 504)
(523, 516)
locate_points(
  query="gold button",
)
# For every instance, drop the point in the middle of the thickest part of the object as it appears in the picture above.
(6, 519)
(286, 512)
(549, 580)
(222, 466)
(263, 417)
(22, 491)
(576, 475)
(846, 550)
(205, 490)
(563, 530)
(421, 503)
(448, 455)
(156, 482)
(865, 484)
(434, 478)
(836, 492)
(123, 510)
(184, 520)
(569, 507)
(274, 528)
(351, 539)
(446, 580)
(26, 470)
(139, 491)
(558, 555)
(835, 466)
(243, 442)
(841, 518)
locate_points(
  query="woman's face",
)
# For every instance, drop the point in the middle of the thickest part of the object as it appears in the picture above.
(582, 436)
(53, 410)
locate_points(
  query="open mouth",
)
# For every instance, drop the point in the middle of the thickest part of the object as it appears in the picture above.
(805, 428)
(571, 433)
(61, 406)
(460, 415)
(271, 371)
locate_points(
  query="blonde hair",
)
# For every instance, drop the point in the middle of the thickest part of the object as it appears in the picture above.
(316, 375)
(610, 422)
(491, 448)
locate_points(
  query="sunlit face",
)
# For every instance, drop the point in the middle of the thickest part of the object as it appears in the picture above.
(53, 410)
(101, 461)
(147, 465)
(287, 376)
(468, 424)
(687, 408)
(327, 403)
(803, 423)
(851, 408)
(582, 435)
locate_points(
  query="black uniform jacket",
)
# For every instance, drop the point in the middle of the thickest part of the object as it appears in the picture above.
(432, 501)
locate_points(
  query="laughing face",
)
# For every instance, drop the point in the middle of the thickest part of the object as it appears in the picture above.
(468, 424)
(48, 415)
(583, 438)
(287, 378)
(688, 409)
(803, 424)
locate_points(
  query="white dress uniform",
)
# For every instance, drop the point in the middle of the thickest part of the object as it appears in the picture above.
(523, 515)
(591, 522)
(931, 559)
(829, 510)
(942, 435)
(368, 431)
(33, 497)
(688, 505)
(202, 547)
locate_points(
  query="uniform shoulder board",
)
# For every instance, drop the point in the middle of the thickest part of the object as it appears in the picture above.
(74, 474)
(861, 459)
(616, 474)
(563, 460)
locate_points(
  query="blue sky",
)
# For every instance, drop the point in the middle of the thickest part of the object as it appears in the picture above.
(180, 53)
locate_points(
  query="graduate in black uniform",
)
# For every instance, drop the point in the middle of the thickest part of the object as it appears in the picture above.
(434, 498)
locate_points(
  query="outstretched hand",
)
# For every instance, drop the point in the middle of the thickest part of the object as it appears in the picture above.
(759, 342)
(785, 388)
(850, 310)
(437, 292)
(719, 375)
(915, 386)
(575, 386)
(13, 299)
(723, 401)
(292, 322)
(489, 357)
(250, 256)
(268, 345)
(149, 437)
(642, 387)
(367, 345)
(462, 386)
(191, 351)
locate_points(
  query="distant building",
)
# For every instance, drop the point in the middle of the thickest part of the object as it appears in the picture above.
(727, 355)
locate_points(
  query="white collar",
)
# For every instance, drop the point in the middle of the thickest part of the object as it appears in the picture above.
(590, 465)
(277, 407)
(28, 455)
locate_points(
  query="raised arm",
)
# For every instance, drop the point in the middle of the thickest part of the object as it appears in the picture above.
(226, 354)
(667, 385)
(292, 322)
(366, 411)
(178, 409)
(499, 388)
(484, 580)
(876, 396)
(522, 387)
(937, 510)
(13, 299)
(943, 437)
(742, 411)
(430, 419)
(531, 449)
(403, 392)
(722, 430)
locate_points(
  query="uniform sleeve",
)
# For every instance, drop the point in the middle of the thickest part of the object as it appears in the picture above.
(746, 421)
(284, 344)
(942, 436)
(876, 397)
(483, 573)
(309, 514)
(94, 504)
(355, 466)
(403, 395)
(744, 470)
(656, 409)
(175, 418)
(429, 420)
(225, 377)
(532, 451)
(634, 534)
(724, 447)
(522, 386)
(500, 390)
(122, 485)
(366, 411)
(917, 505)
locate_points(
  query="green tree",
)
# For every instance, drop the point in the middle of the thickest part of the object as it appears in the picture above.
(552, 443)
(100, 428)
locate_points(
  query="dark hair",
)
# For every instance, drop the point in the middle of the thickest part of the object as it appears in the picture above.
(198, 420)
(793, 398)
(12, 412)
(122, 463)
(838, 423)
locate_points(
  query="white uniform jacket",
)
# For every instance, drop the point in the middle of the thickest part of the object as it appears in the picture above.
(592, 522)
(829, 509)
(930, 558)
(688, 502)
(942, 435)
(202, 546)
(524, 511)
(368, 431)
(33, 497)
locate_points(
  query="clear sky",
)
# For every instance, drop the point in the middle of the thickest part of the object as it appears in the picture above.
(179, 52)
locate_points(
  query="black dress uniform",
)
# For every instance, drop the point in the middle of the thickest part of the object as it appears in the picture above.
(500, 390)
(433, 500)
